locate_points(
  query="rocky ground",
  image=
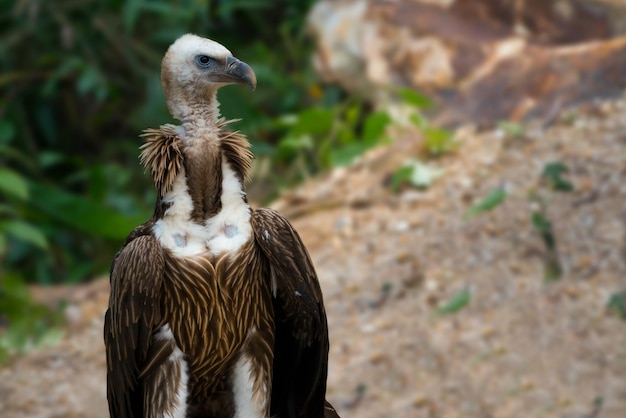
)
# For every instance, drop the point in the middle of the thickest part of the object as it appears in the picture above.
(521, 347)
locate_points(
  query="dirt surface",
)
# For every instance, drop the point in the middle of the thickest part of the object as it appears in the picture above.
(522, 347)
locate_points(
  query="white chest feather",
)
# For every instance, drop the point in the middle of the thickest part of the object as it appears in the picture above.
(225, 232)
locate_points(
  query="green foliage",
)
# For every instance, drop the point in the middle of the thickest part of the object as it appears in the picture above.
(459, 301)
(80, 81)
(438, 141)
(12, 183)
(414, 98)
(51, 235)
(553, 173)
(320, 137)
(32, 325)
(490, 202)
(512, 129)
(617, 304)
(414, 173)
(552, 266)
(551, 176)
(401, 177)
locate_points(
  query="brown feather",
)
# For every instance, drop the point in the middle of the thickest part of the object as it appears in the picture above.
(211, 304)
(134, 312)
(203, 167)
(235, 148)
(161, 385)
(162, 155)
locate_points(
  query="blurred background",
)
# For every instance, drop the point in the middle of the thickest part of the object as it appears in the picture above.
(455, 168)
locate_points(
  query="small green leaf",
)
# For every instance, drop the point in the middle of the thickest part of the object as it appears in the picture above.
(361, 389)
(598, 402)
(387, 288)
(544, 226)
(13, 183)
(512, 129)
(414, 98)
(374, 127)
(49, 337)
(415, 173)
(25, 232)
(419, 120)
(352, 114)
(553, 172)
(454, 305)
(617, 304)
(540, 222)
(438, 141)
(346, 154)
(400, 177)
(493, 200)
(423, 175)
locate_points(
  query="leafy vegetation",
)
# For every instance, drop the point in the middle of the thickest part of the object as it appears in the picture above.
(551, 180)
(437, 141)
(553, 174)
(617, 304)
(80, 81)
(459, 301)
(488, 203)
(319, 137)
(416, 174)
(513, 129)
(31, 325)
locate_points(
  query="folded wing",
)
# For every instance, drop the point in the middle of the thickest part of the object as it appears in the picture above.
(301, 344)
(133, 316)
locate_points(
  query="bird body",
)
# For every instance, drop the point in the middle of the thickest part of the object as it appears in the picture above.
(215, 309)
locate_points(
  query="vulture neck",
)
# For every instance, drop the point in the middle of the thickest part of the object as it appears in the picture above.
(199, 170)
(210, 180)
(199, 115)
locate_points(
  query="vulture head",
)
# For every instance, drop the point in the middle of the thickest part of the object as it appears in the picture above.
(192, 71)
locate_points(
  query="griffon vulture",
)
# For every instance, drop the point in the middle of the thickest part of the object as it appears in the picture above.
(215, 309)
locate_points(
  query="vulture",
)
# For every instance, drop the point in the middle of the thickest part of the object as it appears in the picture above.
(215, 308)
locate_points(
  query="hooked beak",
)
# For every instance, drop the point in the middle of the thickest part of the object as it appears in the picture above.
(235, 71)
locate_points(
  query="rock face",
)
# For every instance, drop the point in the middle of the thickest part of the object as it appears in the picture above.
(482, 61)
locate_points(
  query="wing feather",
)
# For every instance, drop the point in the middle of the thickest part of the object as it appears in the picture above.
(133, 316)
(301, 343)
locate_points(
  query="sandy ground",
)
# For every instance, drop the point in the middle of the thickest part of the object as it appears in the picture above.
(522, 347)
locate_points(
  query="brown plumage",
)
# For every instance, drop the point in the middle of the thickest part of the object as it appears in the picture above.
(215, 309)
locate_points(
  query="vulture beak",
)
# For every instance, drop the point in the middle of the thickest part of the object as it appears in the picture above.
(235, 71)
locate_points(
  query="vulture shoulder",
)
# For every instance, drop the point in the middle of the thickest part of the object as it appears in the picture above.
(301, 342)
(133, 316)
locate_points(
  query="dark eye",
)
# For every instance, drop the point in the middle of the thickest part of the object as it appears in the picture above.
(203, 60)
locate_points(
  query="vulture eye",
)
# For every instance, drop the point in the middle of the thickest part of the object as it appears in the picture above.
(203, 61)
